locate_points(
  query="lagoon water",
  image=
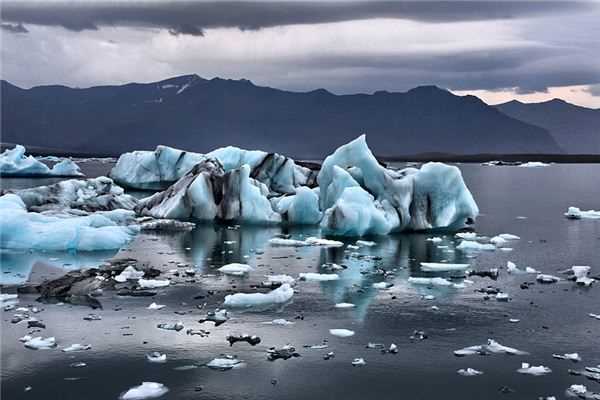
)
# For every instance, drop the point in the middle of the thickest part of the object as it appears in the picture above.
(528, 202)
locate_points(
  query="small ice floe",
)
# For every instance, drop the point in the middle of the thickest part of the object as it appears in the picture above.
(345, 305)
(533, 164)
(473, 246)
(311, 241)
(359, 362)
(280, 279)
(576, 213)
(218, 317)
(341, 332)
(246, 300)
(224, 363)
(382, 285)
(8, 299)
(285, 352)
(437, 281)
(512, 268)
(236, 269)
(365, 243)
(590, 373)
(469, 372)
(492, 273)
(503, 297)
(252, 340)
(371, 345)
(536, 370)
(466, 235)
(92, 317)
(508, 236)
(129, 273)
(332, 267)
(418, 335)
(329, 356)
(514, 320)
(40, 343)
(78, 364)
(393, 349)
(434, 239)
(313, 276)
(177, 326)
(568, 356)
(491, 347)
(580, 275)
(581, 391)
(155, 306)
(442, 267)
(546, 278)
(25, 338)
(596, 316)
(153, 283)
(147, 390)
(77, 347)
(156, 357)
(279, 321)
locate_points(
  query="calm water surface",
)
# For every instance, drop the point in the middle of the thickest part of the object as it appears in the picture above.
(553, 318)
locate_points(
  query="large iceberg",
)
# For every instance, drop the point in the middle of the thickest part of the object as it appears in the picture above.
(90, 195)
(160, 168)
(356, 195)
(20, 229)
(14, 162)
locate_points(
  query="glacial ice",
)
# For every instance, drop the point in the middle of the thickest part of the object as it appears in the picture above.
(473, 246)
(76, 347)
(224, 363)
(491, 347)
(147, 390)
(469, 372)
(14, 162)
(20, 229)
(355, 196)
(40, 343)
(129, 273)
(313, 276)
(153, 283)
(236, 269)
(442, 267)
(341, 332)
(537, 370)
(247, 300)
(576, 213)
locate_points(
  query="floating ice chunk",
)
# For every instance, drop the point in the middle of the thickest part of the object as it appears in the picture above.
(313, 276)
(533, 164)
(6, 298)
(442, 267)
(568, 356)
(287, 242)
(498, 241)
(246, 300)
(469, 372)
(156, 357)
(359, 362)
(14, 162)
(596, 316)
(345, 305)
(280, 279)
(177, 326)
(32, 231)
(300, 208)
(155, 306)
(341, 332)
(576, 213)
(315, 241)
(578, 391)
(235, 269)
(470, 245)
(467, 235)
(129, 273)
(509, 236)
(40, 343)
(580, 271)
(153, 283)
(533, 370)
(77, 347)
(502, 297)
(365, 243)
(382, 285)
(279, 321)
(434, 239)
(437, 281)
(546, 278)
(147, 390)
(512, 268)
(492, 347)
(224, 363)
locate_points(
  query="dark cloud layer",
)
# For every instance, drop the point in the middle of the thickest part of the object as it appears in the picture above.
(187, 17)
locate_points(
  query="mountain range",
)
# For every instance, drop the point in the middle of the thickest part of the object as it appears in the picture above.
(201, 114)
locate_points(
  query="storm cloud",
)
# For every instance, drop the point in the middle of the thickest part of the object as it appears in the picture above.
(345, 47)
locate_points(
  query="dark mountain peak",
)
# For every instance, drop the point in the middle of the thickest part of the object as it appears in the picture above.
(181, 79)
(428, 90)
(321, 92)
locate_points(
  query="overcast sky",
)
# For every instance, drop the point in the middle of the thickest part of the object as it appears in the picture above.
(531, 51)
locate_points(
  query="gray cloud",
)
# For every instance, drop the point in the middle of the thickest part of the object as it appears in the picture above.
(194, 17)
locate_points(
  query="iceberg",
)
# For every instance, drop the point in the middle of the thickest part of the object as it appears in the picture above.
(147, 390)
(473, 246)
(129, 273)
(576, 213)
(23, 230)
(313, 276)
(236, 269)
(356, 195)
(533, 370)
(491, 347)
(341, 332)
(40, 343)
(77, 347)
(14, 162)
(442, 267)
(224, 363)
(153, 283)
(247, 300)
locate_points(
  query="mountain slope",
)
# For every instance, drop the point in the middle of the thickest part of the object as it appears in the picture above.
(199, 114)
(576, 129)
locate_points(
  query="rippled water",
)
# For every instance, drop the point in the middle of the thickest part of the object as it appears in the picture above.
(553, 317)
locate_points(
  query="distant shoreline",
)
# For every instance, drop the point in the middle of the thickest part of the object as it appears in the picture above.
(424, 157)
